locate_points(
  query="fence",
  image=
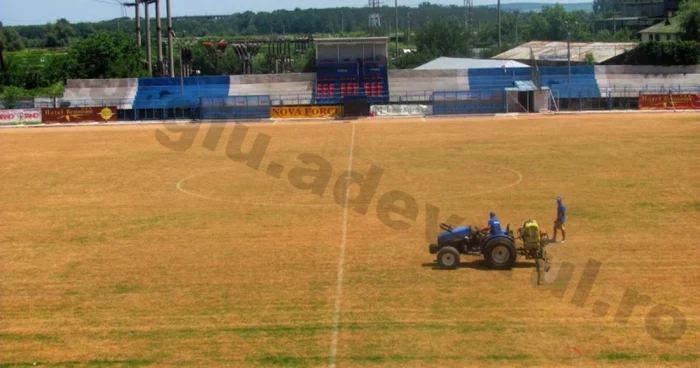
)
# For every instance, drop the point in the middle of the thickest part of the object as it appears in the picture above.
(235, 107)
(486, 101)
(468, 102)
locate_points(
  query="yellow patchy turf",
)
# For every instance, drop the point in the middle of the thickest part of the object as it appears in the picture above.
(118, 251)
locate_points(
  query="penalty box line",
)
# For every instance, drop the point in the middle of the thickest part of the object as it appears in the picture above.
(341, 257)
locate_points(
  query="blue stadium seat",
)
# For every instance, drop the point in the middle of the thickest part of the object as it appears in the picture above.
(163, 93)
(583, 81)
(497, 78)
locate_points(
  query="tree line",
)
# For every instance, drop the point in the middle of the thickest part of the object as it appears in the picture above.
(298, 22)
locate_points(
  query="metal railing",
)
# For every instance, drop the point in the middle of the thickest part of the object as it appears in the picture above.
(612, 97)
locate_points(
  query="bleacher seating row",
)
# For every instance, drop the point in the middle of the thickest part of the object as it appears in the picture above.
(334, 81)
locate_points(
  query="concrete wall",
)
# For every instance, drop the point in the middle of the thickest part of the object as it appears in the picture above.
(290, 88)
(99, 92)
(634, 78)
(407, 83)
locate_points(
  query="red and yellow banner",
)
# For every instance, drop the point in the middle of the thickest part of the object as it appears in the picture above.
(300, 112)
(79, 115)
(670, 102)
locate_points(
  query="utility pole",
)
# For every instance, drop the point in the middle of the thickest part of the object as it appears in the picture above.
(499, 25)
(396, 8)
(149, 56)
(568, 46)
(517, 15)
(159, 39)
(408, 32)
(171, 53)
(135, 4)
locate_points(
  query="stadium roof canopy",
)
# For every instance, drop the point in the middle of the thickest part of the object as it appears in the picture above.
(352, 40)
(557, 51)
(446, 63)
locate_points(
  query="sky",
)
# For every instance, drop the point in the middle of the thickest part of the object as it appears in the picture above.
(20, 12)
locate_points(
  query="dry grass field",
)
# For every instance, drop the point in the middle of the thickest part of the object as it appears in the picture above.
(119, 250)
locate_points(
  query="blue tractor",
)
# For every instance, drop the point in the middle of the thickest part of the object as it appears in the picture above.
(499, 250)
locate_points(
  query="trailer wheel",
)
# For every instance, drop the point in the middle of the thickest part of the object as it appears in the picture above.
(448, 258)
(500, 254)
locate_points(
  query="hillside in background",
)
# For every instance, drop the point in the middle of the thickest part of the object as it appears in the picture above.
(536, 7)
(348, 20)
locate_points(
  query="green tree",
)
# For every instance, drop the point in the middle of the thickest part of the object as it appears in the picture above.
(689, 20)
(215, 62)
(58, 34)
(305, 63)
(11, 39)
(664, 53)
(443, 39)
(105, 55)
(411, 60)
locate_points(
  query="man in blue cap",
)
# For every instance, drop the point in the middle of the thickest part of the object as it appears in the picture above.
(560, 221)
(494, 226)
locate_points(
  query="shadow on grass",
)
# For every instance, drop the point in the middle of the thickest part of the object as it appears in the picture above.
(480, 265)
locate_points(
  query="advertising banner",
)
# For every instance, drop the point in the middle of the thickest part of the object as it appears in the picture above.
(298, 112)
(686, 101)
(20, 116)
(401, 110)
(79, 115)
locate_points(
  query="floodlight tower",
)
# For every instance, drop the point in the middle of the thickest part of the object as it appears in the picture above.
(468, 14)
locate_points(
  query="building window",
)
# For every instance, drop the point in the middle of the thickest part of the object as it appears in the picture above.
(668, 37)
(656, 37)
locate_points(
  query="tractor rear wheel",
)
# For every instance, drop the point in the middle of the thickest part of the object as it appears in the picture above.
(500, 254)
(448, 258)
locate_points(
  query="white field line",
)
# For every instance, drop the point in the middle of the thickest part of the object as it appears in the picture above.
(341, 258)
(193, 194)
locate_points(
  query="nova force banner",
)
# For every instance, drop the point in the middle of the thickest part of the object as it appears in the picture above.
(298, 112)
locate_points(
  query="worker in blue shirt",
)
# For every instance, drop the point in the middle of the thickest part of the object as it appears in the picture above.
(494, 226)
(560, 221)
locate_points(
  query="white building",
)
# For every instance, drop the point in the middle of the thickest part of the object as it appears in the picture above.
(667, 30)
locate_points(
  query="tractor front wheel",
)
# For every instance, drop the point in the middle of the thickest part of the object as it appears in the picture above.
(448, 258)
(500, 254)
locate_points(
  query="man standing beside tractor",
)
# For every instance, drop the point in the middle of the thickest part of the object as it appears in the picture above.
(560, 221)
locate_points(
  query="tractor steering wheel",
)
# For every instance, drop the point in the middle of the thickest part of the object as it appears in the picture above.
(446, 227)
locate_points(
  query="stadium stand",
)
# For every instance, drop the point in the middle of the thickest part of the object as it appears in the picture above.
(100, 92)
(165, 93)
(618, 80)
(497, 78)
(583, 81)
(288, 89)
(351, 68)
(408, 85)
